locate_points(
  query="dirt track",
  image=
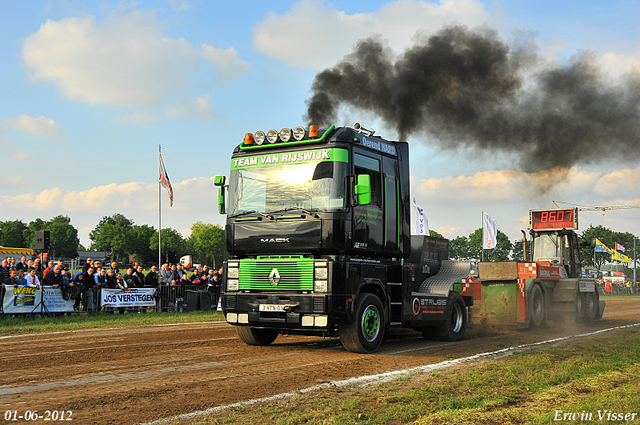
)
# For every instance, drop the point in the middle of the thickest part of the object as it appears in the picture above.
(133, 375)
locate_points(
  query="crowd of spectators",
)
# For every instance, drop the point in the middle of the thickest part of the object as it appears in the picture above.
(610, 287)
(83, 287)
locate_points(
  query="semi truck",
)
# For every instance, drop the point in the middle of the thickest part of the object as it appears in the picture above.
(318, 229)
(545, 288)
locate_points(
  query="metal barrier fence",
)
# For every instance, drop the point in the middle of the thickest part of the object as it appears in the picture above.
(168, 298)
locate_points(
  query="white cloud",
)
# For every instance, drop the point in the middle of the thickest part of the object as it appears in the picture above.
(226, 61)
(136, 200)
(619, 183)
(42, 126)
(124, 60)
(324, 35)
(180, 5)
(137, 118)
(505, 184)
(193, 107)
(19, 156)
(453, 205)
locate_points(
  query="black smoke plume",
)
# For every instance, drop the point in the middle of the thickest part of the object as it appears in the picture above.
(467, 88)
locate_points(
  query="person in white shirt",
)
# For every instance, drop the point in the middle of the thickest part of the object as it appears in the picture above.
(32, 279)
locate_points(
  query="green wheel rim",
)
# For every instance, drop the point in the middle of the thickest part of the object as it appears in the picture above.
(370, 323)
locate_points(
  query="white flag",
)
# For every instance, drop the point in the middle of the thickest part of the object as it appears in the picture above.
(619, 247)
(489, 231)
(420, 222)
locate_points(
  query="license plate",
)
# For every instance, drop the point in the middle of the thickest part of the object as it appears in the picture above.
(274, 307)
(587, 286)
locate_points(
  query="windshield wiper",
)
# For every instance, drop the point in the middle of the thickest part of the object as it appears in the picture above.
(251, 212)
(292, 209)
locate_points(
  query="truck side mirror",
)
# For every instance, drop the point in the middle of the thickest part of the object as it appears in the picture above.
(222, 207)
(220, 181)
(363, 189)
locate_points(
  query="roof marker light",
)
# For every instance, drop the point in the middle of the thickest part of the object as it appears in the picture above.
(299, 132)
(272, 136)
(285, 134)
(259, 137)
(248, 139)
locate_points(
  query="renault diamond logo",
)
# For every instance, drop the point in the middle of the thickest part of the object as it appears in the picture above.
(274, 277)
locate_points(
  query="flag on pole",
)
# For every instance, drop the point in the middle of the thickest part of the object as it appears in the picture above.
(619, 247)
(600, 247)
(489, 231)
(164, 180)
(420, 222)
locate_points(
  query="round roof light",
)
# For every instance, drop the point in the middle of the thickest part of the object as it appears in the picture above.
(259, 137)
(285, 134)
(272, 136)
(298, 133)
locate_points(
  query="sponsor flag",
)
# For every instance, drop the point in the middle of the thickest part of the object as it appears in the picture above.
(164, 180)
(420, 222)
(600, 247)
(619, 247)
(489, 231)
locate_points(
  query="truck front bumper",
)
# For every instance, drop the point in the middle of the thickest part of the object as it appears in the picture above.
(278, 311)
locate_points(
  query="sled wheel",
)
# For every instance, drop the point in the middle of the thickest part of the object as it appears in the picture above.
(537, 306)
(592, 306)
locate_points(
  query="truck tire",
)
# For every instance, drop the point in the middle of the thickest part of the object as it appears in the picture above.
(537, 306)
(591, 306)
(365, 332)
(581, 303)
(255, 336)
(455, 323)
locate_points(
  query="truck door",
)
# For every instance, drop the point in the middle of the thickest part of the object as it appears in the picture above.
(368, 220)
(391, 204)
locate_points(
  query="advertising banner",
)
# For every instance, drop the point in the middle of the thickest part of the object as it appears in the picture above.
(54, 302)
(133, 297)
(24, 299)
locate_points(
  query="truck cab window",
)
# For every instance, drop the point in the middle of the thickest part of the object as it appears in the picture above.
(366, 165)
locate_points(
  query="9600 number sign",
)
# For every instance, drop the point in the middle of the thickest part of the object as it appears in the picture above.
(34, 415)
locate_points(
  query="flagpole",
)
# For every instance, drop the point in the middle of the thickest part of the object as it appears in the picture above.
(634, 260)
(159, 212)
(482, 246)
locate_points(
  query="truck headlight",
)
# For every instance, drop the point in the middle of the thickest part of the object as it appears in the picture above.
(299, 132)
(272, 136)
(320, 285)
(321, 276)
(232, 273)
(259, 137)
(232, 284)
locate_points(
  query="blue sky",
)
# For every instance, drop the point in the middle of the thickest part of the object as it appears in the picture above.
(90, 89)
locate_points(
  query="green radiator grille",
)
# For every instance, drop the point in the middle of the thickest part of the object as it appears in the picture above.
(276, 274)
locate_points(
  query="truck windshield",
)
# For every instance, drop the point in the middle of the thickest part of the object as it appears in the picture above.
(311, 186)
(547, 247)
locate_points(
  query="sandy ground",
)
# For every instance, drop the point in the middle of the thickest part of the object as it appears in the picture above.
(133, 375)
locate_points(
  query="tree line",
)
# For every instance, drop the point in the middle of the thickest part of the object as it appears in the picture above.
(122, 239)
(470, 247)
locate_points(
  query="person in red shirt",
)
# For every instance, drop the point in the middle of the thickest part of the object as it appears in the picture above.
(607, 287)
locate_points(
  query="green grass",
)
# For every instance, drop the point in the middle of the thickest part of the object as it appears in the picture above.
(531, 387)
(23, 324)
